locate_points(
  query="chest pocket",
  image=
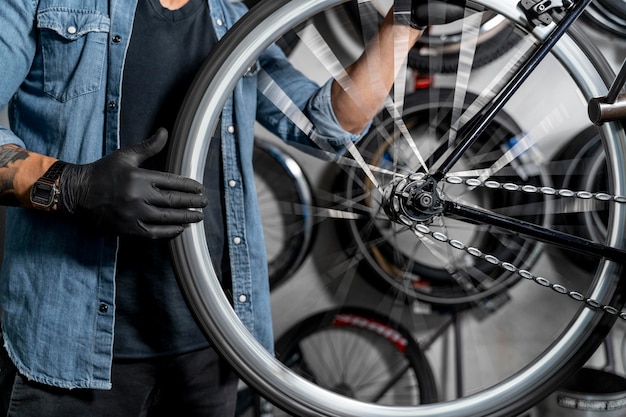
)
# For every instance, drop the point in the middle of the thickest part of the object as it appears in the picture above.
(73, 47)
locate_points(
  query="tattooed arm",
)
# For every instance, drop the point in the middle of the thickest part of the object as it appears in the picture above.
(19, 169)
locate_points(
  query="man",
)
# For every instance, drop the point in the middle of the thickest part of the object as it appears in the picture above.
(93, 321)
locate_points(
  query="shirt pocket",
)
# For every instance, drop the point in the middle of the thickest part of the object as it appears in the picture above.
(73, 47)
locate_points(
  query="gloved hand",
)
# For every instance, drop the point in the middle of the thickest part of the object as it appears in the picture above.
(114, 194)
(424, 13)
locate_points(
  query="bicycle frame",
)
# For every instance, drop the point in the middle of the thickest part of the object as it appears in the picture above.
(476, 126)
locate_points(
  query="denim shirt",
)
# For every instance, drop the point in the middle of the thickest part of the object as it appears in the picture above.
(61, 65)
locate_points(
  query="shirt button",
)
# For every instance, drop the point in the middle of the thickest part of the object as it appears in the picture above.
(232, 183)
(231, 129)
(219, 22)
(236, 240)
(103, 308)
(112, 105)
(71, 30)
(117, 39)
(243, 298)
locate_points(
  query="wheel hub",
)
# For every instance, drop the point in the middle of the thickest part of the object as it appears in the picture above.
(412, 199)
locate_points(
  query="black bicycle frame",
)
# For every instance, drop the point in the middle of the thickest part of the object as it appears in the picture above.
(476, 126)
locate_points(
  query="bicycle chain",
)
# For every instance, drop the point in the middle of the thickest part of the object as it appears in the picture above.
(531, 189)
(477, 253)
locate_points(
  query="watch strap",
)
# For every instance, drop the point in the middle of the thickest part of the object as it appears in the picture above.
(54, 172)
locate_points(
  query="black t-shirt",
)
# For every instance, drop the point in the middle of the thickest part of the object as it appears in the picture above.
(166, 49)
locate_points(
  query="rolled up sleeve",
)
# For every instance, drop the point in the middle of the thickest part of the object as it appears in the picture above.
(325, 124)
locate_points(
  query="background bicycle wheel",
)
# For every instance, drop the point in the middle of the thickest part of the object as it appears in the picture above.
(346, 28)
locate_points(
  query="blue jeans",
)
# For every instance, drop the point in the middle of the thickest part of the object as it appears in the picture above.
(192, 385)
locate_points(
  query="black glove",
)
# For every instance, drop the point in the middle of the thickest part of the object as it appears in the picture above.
(113, 194)
(420, 14)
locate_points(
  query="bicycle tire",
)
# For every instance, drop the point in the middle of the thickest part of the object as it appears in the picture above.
(289, 41)
(607, 16)
(286, 204)
(571, 345)
(361, 354)
(496, 39)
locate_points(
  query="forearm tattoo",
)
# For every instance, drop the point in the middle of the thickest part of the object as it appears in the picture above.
(9, 155)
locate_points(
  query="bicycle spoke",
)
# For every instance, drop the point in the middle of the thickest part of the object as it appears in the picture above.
(469, 42)
(478, 124)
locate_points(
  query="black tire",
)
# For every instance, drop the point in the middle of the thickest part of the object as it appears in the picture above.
(436, 52)
(361, 354)
(607, 16)
(286, 204)
(288, 41)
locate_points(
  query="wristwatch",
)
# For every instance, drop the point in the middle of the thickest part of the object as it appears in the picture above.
(45, 192)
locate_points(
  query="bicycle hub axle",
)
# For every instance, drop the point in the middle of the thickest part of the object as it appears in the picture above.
(412, 199)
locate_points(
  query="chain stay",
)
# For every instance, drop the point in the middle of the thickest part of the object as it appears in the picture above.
(423, 229)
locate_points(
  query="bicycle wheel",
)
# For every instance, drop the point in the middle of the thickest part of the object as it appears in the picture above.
(360, 354)
(286, 204)
(515, 356)
(608, 16)
(288, 41)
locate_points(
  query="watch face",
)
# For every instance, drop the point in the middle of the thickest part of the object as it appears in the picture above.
(42, 194)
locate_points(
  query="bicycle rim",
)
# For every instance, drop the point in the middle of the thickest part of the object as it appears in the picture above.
(285, 210)
(360, 353)
(578, 333)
